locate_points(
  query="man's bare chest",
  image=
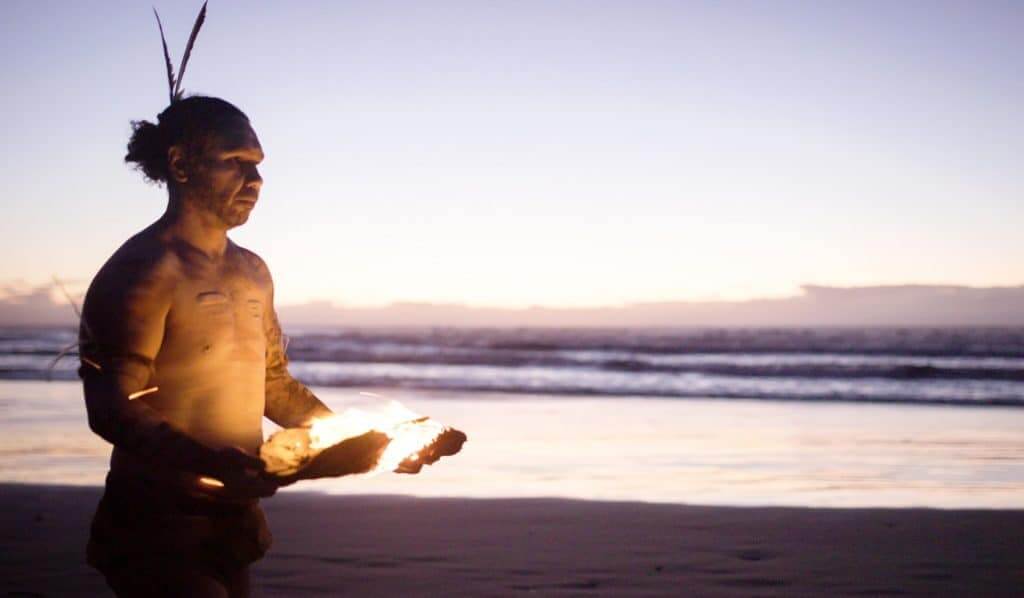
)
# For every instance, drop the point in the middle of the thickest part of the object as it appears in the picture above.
(216, 318)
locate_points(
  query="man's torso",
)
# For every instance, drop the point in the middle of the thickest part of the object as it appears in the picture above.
(211, 364)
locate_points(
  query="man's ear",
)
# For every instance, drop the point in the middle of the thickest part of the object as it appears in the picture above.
(176, 170)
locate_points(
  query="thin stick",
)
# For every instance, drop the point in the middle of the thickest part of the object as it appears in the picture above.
(67, 296)
(78, 312)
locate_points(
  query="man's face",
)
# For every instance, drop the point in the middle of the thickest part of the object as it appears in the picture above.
(226, 182)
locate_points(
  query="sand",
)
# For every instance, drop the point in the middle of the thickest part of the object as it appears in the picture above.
(404, 546)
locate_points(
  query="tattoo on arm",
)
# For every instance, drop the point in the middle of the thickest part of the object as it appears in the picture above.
(288, 402)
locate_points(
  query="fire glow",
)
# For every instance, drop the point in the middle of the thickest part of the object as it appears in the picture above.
(210, 482)
(409, 432)
(384, 436)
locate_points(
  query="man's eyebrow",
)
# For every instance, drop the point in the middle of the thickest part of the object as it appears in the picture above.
(253, 154)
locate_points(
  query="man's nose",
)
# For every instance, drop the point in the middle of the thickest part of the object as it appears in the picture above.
(253, 180)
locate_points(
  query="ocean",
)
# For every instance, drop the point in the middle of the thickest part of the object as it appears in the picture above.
(809, 417)
(959, 366)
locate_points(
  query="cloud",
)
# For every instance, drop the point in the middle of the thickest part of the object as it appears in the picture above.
(25, 305)
(901, 305)
(907, 305)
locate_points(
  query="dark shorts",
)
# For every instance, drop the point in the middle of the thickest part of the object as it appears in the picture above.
(148, 532)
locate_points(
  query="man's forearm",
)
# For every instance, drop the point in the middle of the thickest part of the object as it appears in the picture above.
(136, 428)
(290, 404)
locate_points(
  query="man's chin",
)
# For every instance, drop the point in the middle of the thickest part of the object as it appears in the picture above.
(236, 218)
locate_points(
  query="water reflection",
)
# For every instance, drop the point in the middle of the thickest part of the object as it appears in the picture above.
(694, 451)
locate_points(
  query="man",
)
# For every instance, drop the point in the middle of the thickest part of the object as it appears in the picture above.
(182, 356)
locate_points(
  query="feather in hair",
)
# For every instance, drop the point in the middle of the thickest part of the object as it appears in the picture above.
(167, 56)
(188, 50)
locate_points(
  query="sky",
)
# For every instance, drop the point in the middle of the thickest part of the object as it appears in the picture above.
(556, 153)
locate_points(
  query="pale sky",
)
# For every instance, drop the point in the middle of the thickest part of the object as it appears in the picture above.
(555, 153)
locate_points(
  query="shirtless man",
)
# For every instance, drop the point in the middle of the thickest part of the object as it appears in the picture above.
(182, 357)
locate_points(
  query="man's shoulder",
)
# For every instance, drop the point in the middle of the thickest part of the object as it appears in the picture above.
(147, 255)
(144, 260)
(134, 286)
(253, 262)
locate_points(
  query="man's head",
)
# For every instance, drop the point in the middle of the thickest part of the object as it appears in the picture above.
(206, 151)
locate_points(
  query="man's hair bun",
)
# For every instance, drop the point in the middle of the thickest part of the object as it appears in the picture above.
(147, 149)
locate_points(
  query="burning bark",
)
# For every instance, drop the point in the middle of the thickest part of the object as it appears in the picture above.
(358, 441)
(446, 444)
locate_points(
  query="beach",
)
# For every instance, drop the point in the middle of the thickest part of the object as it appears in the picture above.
(328, 545)
(564, 495)
(694, 298)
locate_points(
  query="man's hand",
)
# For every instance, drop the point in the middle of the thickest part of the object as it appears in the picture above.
(242, 474)
(352, 456)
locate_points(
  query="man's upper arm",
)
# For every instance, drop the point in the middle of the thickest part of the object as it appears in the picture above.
(277, 360)
(288, 402)
(123, 322)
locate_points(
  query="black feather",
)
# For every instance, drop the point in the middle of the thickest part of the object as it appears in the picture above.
(188, 49)
(167, 55)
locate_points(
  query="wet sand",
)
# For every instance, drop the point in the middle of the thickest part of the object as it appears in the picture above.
(711, 452)
(406, 546)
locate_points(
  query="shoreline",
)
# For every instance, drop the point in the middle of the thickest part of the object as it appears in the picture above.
(399, 545)
(700, 451)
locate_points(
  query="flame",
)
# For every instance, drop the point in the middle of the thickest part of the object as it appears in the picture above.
(210, 482)
(409, 432)
(143, 392)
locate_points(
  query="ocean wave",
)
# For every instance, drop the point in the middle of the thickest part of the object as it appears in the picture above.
(932, 342)
(546, 380)
(958, 366)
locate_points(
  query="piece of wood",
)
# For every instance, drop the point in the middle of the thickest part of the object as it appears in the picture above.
(288, 456)
(446, 444)
(350, 456)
